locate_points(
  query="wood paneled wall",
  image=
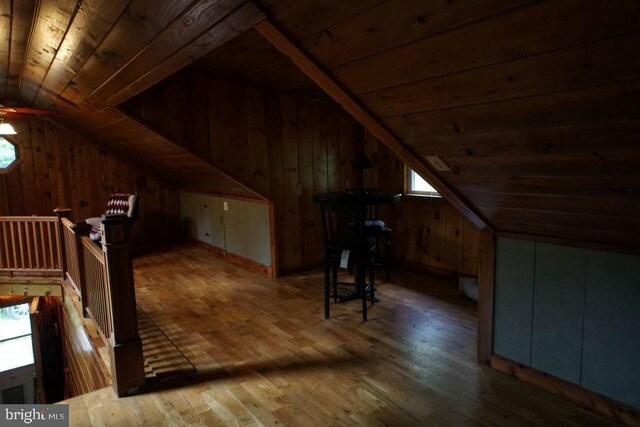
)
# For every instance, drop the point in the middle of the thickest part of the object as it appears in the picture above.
(290, 147)
(59, 167)
(286, 147)
(426, 231)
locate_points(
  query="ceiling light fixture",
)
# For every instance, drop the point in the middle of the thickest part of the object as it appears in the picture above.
(6, 128)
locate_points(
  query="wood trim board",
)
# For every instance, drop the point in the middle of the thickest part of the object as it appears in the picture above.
(589, 399)
(486, 269)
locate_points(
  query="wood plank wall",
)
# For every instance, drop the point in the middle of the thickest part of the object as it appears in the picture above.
(51, 349)
(290, 147)
(287, 147)
(59, 167)
(426, 231)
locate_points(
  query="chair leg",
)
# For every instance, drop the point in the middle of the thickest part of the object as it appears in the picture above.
(387, 256)
(372, 283)
(327, 286)
(363, 291)
(364, 305)
(334, 280)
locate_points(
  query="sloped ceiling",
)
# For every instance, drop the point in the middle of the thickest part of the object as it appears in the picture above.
(532, 104)
(81, 58)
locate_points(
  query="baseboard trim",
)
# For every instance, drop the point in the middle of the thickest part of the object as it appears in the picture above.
(238, 260)
(587, 398)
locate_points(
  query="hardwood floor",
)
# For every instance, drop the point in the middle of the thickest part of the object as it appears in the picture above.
(266, 356)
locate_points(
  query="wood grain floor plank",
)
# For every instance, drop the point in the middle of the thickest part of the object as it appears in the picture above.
(265, 355)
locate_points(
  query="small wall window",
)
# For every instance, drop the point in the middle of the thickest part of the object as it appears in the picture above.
(8, 155)
(417, 186)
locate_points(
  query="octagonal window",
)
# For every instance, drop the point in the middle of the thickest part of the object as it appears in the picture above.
(8, 154)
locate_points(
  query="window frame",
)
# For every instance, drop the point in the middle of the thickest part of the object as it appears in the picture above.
(408, 191)
(15, 163)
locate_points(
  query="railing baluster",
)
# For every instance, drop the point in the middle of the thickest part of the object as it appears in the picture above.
(31, 245)
(50, 245)
(13, 247)
(28, 240)
(35, 243)
(42, 245)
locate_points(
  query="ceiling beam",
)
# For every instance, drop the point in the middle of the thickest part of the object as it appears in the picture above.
(285, 45)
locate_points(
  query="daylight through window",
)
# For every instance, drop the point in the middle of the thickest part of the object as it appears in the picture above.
(418, 186)
(16, 349)
(8, 154)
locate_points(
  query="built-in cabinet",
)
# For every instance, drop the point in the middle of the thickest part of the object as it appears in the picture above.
(570, 312)
(240, 227)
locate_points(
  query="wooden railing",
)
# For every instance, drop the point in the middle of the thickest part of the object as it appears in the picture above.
(100, 273)
(98, 304)
(30, 245)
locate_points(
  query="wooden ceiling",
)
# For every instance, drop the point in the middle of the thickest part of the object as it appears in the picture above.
(533, 104)
(251, 58)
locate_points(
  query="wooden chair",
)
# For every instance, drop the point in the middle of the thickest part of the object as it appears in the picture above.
(118, 203)
(343, 228)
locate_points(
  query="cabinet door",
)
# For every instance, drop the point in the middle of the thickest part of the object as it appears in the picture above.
(217, 222)
(204, 219)
(235, 227)
(189, 213)
(258, 233)
(611, 352)
(513, 295)
(558, 310)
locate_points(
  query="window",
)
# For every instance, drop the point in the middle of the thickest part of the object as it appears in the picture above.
(16, 348)
(417, 186)
(8, 154)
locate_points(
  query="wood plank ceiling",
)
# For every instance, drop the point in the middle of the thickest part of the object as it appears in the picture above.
(83, 57)
(533, 104)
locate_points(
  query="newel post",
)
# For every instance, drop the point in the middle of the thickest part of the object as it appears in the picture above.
(62, 213)
(127, 364)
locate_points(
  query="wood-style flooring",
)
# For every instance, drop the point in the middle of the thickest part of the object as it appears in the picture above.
(266, 356)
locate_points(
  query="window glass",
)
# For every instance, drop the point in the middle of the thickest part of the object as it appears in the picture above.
(7, 153)
(16, 353)
(14, 321)
(16, 348)
(417, 185)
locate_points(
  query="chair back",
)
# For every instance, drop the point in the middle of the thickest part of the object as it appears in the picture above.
(339, 228)
(123, 204)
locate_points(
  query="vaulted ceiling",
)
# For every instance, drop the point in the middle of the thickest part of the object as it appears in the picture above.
(532, 104)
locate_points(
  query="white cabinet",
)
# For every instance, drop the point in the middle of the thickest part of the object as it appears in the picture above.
(243, 229)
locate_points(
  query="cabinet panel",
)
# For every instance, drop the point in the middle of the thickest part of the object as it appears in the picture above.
(611, 347)
(241, 230)
(258, 236)
(558, 305)
(217, 222)
(513, 295)
(205, 229)
(235, 227)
